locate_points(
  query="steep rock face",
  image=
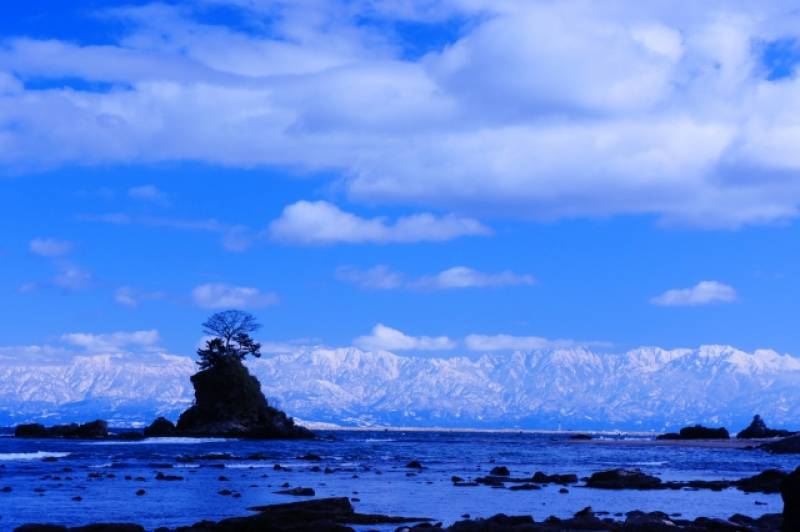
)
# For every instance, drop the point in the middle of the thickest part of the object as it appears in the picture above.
(229, 402)
(759, 429)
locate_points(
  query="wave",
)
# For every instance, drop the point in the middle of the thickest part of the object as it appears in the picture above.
(38, 455)
(161, 441)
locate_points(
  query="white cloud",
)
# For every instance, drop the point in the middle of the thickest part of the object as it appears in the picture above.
(146, 193)
(222, 296)
(384, 278)
(506, 342)
(50, 247)
(703, 293)
(113, 342)
(128, 296)
(388, 339)
(375, 278)
(536, 110)
(463, 277)
(320, 222)
(71, 278)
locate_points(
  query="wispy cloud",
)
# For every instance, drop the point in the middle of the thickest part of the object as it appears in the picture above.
(320, 222)
(149, 193)
(113, 342)
(50, 247)
(389, 339)
(703, 293)
(458, 277)
(233, 237)
(223, 295)
(128, 296)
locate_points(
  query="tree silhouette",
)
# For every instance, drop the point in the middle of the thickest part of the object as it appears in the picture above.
(231, 331)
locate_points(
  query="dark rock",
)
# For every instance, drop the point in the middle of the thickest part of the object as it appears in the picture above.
(229, 403)
(525, 487)
(541, 478)
(768, 481)
(94, 430)
(563, 490)
(6, 489)
(30, 430)
(646, 522)
(790, 493)
(623, 479)
(413, 464)
(162, 476)
(161, 427)
(310, 457)
(499, 522)
(129, 435)
(300, 492)
(759, 429)
(500, 471)
(140, 492)
(583, 437)
(789, 445)
(697, 432)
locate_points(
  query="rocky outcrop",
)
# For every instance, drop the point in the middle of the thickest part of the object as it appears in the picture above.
(229, 403)
(790, 493)
(697, 432)
(94, 430)
(790, 445)
(160, 428)
(759, 429)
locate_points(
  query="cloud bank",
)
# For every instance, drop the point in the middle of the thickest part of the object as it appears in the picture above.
(533, 110)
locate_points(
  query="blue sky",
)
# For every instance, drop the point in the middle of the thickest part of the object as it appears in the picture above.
(456, 171)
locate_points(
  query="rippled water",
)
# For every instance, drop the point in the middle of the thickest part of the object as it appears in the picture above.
(368, 466)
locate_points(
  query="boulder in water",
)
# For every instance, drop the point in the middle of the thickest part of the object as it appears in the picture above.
(618, 479)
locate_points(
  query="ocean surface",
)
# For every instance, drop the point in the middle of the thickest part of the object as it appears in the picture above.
(45, 476)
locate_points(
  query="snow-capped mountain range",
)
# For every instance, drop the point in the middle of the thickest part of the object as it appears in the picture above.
(568, 388)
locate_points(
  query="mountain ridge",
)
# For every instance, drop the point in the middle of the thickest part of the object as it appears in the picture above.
(646, 388)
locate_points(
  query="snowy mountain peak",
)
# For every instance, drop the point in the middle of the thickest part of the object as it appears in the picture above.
(570, 387)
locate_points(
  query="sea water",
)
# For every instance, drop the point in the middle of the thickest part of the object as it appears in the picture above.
(369, 467)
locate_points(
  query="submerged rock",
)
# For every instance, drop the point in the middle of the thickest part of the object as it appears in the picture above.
(759, 429)
(697, 432)
(229, 403)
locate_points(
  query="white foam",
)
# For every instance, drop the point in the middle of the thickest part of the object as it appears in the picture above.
(38, 455)
(160, 441)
